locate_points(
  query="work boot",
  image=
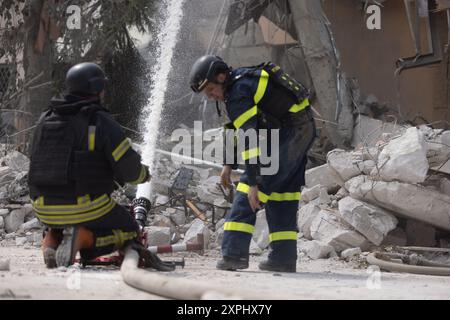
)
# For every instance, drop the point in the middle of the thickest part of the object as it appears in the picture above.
(232, 264)
(50, 242)
(268, 265)
(74, 239)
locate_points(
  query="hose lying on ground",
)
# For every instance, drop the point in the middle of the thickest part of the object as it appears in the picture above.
(373, 259)
(176, 288)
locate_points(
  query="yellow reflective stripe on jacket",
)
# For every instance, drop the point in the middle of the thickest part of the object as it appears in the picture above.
(243, 118)
(58, 219)
(261, 89)
(239, 226)
(84, 205)
(274, 196)
(299, 107)
(141, 177)
(252, 153)
(121, 149)
(245, 188)
(283, 235)
(262, 86)
(91, 138)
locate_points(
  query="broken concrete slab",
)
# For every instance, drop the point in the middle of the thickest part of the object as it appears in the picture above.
(32, 224)
(261, 233)
(16, 161)
(315, 249)
(321, 175)
(420, 234)
(4, 212)
(372, 222)
(158, 236)
(404, 158)
(309, 194)
(2, 222)
(343, 165)
(306, 215)
(197, 227)
(407, 200)
(209, 191)
(328, 228)
(15, 219)
(396, 237)
(438, 148)
(368, 131)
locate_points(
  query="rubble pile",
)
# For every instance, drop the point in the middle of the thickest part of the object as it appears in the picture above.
(393, 192)
(18, 224)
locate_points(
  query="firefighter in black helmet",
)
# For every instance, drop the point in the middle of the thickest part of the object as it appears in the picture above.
(78, 155)
(261, 97)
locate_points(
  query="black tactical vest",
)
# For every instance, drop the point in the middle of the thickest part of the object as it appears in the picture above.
(61, 165)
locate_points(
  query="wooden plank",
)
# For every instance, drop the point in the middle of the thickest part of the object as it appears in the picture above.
(196, 211)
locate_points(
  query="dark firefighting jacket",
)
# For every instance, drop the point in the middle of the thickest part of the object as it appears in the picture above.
(79, 154)
(261, 97)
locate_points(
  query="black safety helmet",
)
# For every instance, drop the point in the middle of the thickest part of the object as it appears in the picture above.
(205, 70)
(85, 78)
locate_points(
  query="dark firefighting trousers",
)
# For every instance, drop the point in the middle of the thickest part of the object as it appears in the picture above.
(280, 193)
(112, 232)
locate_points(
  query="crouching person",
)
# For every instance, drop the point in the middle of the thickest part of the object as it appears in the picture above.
(78, 153)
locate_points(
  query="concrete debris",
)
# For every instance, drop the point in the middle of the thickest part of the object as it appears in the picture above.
(30, 225)
(254, 248)
(321, 175)
(178, 216)
(318, 194)
(350, 253)
(315, 249)
(369, 132)
(306, 215)
(6, 175)
(372, 222)
(161, 199)
(404, 159)
(15, 219)
(438, 146)
(309, 194)
(157, 236)
(444, 186)
(410, 201)
(222, 206)
(4, 212)
(16, 161)
(329, 229)
(209, 191)
(4, 264)
(197, 227)
(419, 234)
(396, 237)
(2, 222)
(343, 165)
(261, 233)
(20, 241)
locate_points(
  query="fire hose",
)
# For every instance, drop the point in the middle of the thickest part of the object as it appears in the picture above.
(427, 268)
(176, 288)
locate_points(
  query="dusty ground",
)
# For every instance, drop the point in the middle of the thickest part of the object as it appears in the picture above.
(321, 279)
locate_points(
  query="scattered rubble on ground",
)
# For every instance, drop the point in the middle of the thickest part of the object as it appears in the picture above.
(389, 192)
(394, 193)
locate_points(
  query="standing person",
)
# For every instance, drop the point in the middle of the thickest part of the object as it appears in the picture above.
(261, 97)
(78, 153)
